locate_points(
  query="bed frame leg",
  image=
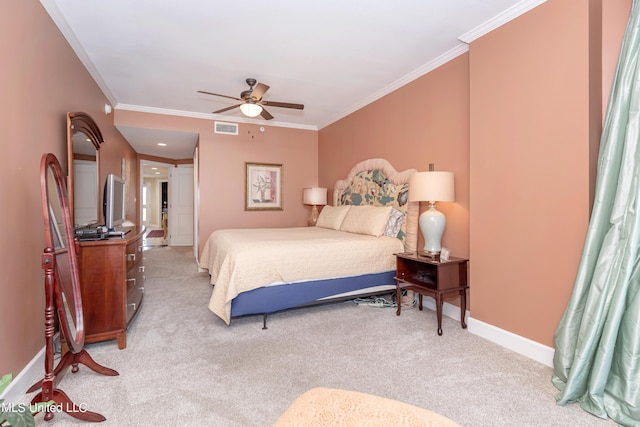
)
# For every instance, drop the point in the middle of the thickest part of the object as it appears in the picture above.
(264, 321)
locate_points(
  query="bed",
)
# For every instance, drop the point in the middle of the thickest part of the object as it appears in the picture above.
(349, 253)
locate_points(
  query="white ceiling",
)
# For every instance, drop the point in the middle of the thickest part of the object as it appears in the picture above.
(179, 145)
(333, 56)
(155, 170)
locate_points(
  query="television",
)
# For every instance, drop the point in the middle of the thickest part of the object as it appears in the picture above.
(114, 202)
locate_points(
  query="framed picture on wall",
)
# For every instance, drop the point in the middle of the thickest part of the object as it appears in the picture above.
(263, 187)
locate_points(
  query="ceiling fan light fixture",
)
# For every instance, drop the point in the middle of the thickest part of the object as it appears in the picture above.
(251, 109)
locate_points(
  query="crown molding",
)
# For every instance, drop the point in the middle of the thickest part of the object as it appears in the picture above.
(408, 78)
(500, 19)
(58, 18)
(466, 38)
(209, 116)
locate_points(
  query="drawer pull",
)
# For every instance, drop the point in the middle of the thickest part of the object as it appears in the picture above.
(132, 280)
(133, 304)
(131, 257)
(142, 289)
(141, 269)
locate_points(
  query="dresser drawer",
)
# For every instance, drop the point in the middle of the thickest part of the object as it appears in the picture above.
(134, 299)
(133, 254)
(135, 278)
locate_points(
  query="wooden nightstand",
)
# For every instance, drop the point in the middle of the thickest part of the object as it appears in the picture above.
(428, 276)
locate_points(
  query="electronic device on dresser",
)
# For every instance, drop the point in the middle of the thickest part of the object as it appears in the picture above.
(91, 232)
(114, 205)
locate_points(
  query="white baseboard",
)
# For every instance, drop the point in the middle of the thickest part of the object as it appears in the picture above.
(524, 346)
(521, 345)
(200, 269)
(31, 374)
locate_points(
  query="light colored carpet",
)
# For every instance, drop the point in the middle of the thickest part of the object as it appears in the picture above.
(184, 366)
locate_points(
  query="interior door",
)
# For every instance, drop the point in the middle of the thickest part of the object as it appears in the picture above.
(181, 206)
(145, 204)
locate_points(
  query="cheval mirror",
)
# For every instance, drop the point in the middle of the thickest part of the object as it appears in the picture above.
(83, 149)
(62, 284)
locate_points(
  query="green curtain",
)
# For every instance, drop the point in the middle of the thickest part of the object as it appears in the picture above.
(597, 356)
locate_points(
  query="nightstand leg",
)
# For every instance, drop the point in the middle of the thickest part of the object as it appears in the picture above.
(463, 307)
(420, 302)
(439, 301)
(398, 298)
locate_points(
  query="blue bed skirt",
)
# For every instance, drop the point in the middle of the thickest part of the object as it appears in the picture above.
(270, 299)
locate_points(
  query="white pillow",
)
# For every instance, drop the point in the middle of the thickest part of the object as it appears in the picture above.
(394, 224)
(332, 216)
(370, 220)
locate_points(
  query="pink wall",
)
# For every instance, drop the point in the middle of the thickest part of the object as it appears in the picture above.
(434, 130)
(222, 168)
(41, 80)
(515, 120)
(533, 128)
(529, 167)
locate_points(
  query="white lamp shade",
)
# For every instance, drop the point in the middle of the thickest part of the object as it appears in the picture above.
(433, 186)
(250, 109)
(314, 196)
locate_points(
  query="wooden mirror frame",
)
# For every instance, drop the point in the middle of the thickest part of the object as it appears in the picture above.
(60, 261)
(78, 122)
(62, 283)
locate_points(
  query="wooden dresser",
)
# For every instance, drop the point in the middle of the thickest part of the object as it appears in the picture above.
(112, 285)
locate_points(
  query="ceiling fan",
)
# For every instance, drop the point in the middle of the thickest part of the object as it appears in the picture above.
(252, 103)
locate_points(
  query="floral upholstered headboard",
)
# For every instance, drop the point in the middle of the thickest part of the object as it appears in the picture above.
(375, 182)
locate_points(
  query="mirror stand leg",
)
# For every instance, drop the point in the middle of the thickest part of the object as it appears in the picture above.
(74, 359)
(62, 403)
(71, 359)
(84, 358)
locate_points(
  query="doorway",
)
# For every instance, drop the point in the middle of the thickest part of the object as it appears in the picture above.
(153, 176)
(166, 191)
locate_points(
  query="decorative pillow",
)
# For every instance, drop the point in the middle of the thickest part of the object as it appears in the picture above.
(366, 220)
(394, 225)
(332, 216)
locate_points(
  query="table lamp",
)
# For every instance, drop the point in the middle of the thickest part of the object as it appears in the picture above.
(432, 187)
(314, 196)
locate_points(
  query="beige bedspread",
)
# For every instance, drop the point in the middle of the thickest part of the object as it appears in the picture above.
(240, 260)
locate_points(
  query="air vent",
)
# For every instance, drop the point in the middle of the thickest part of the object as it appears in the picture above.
(226, 128)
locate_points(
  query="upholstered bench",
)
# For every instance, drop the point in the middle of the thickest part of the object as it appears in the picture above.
(333, 407)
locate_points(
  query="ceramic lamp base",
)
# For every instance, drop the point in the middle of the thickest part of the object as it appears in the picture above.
(432, 224)
(313, 218)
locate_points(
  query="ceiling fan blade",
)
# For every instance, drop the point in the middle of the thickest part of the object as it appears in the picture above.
(283, 105)
(265, 115)
(217, 94)
(259, 91)
(226, 109)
